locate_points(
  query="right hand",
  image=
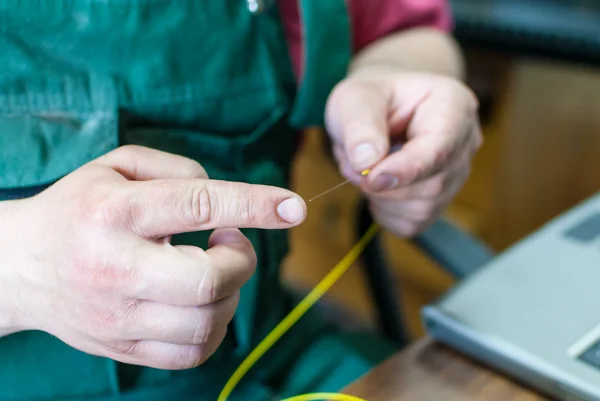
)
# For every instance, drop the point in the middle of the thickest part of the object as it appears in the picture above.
(90, 260)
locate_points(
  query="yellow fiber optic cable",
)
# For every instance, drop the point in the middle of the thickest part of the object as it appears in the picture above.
(324, 285)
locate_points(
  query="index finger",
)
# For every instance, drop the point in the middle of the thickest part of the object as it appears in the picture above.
(165, 207)
(438, 131)
(141, 163)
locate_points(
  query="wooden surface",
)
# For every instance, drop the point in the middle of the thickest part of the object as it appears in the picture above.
(428, 371)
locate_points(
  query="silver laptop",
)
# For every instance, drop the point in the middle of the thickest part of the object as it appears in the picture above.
(533, 313)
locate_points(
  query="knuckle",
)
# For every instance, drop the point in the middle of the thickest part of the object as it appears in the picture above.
(115, 216)
(472, 100)
(249, 259)
(342, 89)
(201, 208)
(196, 356)
(191, 168)
(129, 314)
(123, 152)
(442, 156)
(127, 150)
(108, 322)
(462, 91)
(423, 211)
(435, 187)
(97, 208)
(131, 348)
(414, 171)
(348, 88)
(186, 357)
(247, 207)
(115, 322)
(204, 330)
(108, 209)
(210, 286)
(252, 260)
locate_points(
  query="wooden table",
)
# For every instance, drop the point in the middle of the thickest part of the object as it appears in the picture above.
(428, 371)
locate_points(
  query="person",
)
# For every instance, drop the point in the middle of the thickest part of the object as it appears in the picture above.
(145, 147)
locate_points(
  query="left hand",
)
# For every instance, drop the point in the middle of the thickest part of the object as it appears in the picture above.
(434, 120)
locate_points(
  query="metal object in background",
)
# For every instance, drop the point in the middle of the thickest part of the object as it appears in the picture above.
(258, 6)
(558, 29)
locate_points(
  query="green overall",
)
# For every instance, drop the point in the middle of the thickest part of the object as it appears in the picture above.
(206, 79)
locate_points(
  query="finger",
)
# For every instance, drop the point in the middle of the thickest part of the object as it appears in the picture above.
(182, 325)
(340, 156)
(420, 211)
(165, 207)
(429, 188)
(417, 211)
(234, 256)
(439, 131)
(190, 276)
(160, 355)
(139, 163)
(344, 167)
(348, 172)
(477, 139)
(432, 187)
(399, 226)
(357, 120)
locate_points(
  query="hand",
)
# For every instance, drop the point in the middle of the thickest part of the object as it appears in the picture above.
(431, 119)
(92, 262)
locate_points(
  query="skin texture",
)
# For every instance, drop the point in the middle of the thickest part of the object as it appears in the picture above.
(89, 260)
(404, 113)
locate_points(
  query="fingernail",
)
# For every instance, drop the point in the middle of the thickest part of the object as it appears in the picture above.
(383, 182)
(291, 210)
(365, 155)
(226, 235)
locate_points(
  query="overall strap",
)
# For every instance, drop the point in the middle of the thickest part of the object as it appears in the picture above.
(327, 53)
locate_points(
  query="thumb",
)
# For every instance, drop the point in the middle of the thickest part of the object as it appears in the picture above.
(357, 121)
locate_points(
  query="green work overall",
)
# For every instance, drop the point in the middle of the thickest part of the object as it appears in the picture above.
(210, 80)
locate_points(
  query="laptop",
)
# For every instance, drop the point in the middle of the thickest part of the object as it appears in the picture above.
(533, 312)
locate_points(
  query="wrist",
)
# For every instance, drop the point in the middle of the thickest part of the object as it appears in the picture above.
(11, 299)
(415, 50)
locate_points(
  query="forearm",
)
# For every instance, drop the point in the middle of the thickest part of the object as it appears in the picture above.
(421, 49)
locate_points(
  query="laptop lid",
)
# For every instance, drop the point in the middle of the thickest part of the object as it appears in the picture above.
(535, 308)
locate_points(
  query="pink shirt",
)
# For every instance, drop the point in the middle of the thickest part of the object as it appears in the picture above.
(370, 20)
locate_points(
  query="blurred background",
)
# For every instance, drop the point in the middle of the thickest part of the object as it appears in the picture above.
(535, 66)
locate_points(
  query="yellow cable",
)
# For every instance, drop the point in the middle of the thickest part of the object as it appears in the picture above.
(324, 285)
(324, 397)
